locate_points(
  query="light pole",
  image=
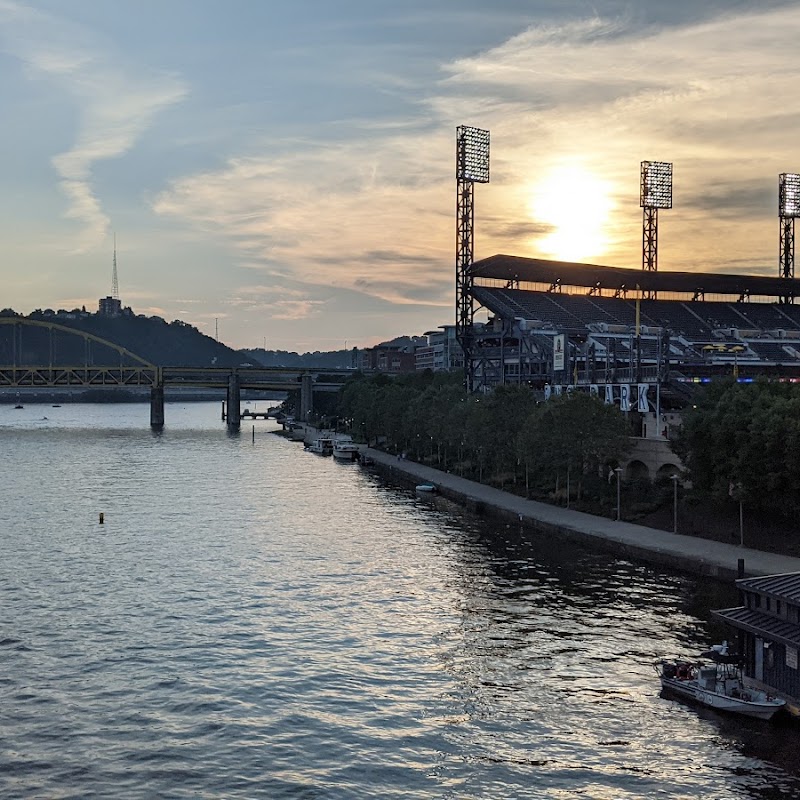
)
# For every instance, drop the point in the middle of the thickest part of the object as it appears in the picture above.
(741, 523)
(618, 470)
(567, 485)
(674, 479)
(735, 491)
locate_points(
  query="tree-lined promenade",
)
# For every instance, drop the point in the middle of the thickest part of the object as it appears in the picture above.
(505, 438)
(739, 442)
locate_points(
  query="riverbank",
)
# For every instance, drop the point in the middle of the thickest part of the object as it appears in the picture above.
(690, 553)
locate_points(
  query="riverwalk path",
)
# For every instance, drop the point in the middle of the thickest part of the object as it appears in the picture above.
(690, 553)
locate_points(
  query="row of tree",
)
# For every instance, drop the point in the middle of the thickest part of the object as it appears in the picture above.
(506, 438)
(742, 441)
(738, 441)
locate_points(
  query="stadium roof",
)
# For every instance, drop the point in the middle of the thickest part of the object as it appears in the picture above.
(619, 279)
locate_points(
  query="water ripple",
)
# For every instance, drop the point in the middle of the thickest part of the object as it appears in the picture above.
(255, 621)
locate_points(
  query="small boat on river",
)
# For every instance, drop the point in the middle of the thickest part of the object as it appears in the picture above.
(345, 449)
(717, 683)
(323, 446)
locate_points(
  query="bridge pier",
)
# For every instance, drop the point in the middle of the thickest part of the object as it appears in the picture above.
(157, 406)
(233, 410)
(306, 397)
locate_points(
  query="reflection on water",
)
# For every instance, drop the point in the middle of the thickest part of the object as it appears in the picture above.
(256, 621)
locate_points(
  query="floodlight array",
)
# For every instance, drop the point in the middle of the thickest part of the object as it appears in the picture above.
(472, 154)
(656, 186)
(789, 195)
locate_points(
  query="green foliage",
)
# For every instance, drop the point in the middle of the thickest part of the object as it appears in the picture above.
(575, 432)
(743, 441)
(500, 437)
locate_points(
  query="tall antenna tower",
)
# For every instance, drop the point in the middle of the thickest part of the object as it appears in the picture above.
(114, 278)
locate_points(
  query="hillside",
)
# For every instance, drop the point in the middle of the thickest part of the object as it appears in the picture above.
(152, 338)
(336, 359)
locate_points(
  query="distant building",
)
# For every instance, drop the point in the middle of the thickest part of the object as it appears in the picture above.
(440, 352)
(395, 356)
(109, 306)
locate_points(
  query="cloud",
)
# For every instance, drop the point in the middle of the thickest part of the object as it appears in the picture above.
(373, 209)
(518, 230)
(279, 303)
(116, 103)
(333, 214)
(715, 97)
(734, 199)
(296, 309)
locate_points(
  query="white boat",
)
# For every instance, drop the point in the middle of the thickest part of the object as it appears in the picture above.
(426, 487)
(718, 684)
(322, 446)
(345, 449)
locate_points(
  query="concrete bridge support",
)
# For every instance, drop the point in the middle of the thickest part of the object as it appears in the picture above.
(306, 397)
(234, 412)
(157, 406)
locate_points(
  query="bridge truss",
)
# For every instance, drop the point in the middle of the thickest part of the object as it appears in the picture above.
(13, 377)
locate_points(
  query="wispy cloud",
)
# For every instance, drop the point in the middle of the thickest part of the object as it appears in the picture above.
(116, 103)
(339, 214)
(374, 212)
(277, 302)
(716, 98)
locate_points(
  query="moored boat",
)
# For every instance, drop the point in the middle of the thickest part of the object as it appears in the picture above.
(718, 684)
(345, 449)
(322, 446)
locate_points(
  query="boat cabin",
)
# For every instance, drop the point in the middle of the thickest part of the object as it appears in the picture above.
(768, 624)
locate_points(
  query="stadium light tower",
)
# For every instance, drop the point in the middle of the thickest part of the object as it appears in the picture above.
(788, 211)
(655, 191)
(472, 166)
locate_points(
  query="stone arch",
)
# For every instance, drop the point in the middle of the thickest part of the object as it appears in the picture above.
(637, 471)
(666, 471)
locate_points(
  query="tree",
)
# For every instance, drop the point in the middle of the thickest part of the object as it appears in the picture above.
(576, 432)
(744, 440)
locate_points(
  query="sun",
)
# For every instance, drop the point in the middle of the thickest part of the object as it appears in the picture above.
(575, 205)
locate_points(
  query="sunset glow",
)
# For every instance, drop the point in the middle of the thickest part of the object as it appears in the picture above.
(576, 205)
(318, 205)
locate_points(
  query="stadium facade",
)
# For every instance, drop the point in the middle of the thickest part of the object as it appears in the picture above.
(638, 338)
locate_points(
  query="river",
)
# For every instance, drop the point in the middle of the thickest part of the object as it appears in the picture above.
(255, 621)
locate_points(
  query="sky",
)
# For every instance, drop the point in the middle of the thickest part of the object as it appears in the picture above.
(284, 172)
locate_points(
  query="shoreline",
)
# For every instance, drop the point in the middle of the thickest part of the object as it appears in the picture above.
(700, 556)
